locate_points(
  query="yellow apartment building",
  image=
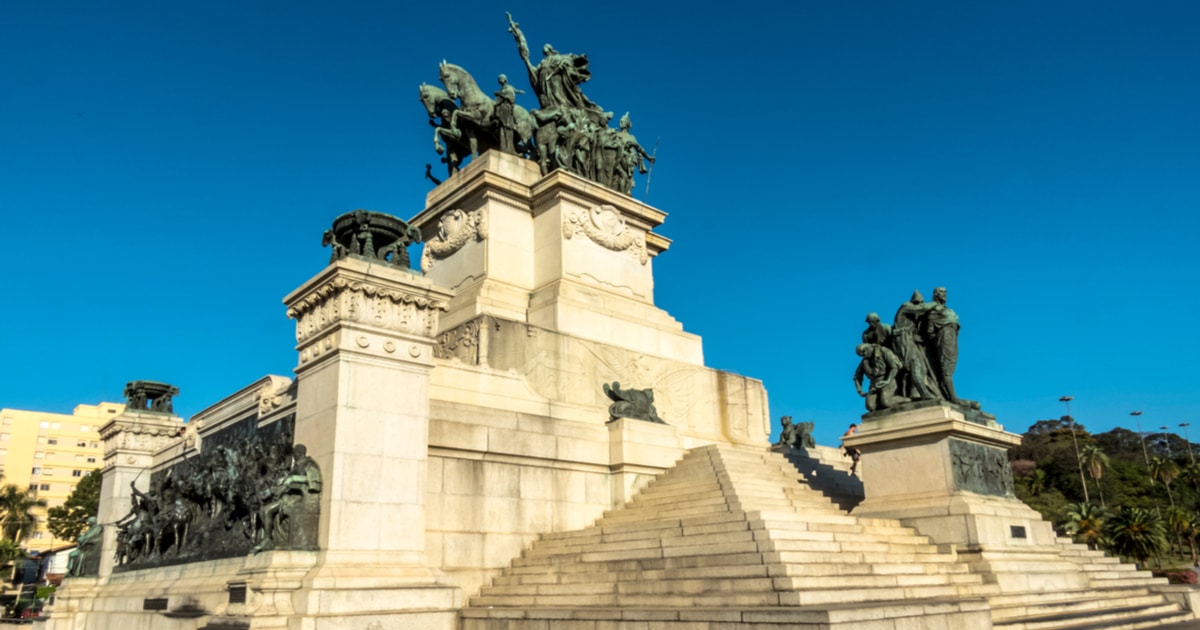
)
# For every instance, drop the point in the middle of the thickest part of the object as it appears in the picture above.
(49, 453)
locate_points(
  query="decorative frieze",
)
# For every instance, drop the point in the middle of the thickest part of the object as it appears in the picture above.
(129, 433)
(456, 228)
(607, 228)
(342, 300)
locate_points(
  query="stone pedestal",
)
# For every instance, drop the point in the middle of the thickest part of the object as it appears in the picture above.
(557, 251)
(944, 471)
(365, 337)
(639, 451)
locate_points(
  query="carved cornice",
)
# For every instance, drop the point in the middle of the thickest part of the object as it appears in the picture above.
(341, 300)
(607, 228)
(456, 228)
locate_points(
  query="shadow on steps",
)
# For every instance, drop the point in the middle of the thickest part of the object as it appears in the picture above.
(836, 483)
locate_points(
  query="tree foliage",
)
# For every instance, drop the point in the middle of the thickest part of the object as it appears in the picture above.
(69, 520)
(17, 520)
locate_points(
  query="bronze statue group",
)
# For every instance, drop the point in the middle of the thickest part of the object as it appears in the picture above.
(914, 358)
(567, 131)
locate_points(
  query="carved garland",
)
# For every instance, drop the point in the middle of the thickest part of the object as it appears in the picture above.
(606, 227)
(455, 229)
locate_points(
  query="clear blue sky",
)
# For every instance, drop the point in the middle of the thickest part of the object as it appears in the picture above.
(166, 171)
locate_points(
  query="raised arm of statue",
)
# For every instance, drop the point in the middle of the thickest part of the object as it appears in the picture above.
(523, 50)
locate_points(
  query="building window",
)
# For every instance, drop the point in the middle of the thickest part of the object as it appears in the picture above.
(39, 455)
(56, 425)
(3, 452)
(44, 486)
(93, 445)
(84, 428)
(37, 534)
(47, 471)
(4, 436)
(44, 425)
(36, 470)
(91, 460)
(41, 440)
(76, 473)
(52, 441)
(33, 487)
(7, 420)
(81, 444)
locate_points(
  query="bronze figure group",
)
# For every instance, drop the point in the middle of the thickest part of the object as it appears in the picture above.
(912, 359)
(567, 131)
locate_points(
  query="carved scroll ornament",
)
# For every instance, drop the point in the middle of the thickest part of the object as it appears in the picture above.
(606, 227)
(455, 229)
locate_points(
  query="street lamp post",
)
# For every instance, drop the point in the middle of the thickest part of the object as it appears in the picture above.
(1066, 400)
(1191, 455)
(1136, 416)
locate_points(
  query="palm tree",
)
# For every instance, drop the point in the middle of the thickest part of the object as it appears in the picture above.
(16, 518)
(1183, 524)
(1136, 533)
(1166, 471)
(1190, 474)
(1095, 460)
(1086, 523)
(1035, 482)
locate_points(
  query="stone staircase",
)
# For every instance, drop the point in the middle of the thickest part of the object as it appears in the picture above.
(731, 535)
(735, 537)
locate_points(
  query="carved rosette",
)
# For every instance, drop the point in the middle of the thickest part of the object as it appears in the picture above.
(455, 229)
(348, 301)
(606, 227)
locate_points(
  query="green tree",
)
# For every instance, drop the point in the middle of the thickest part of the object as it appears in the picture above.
(1085, 522)
(1035, 482)
(69, 520)
(16, 516)
(1136, 533)
(1095, 461)
(9, 550)
(1183, 525)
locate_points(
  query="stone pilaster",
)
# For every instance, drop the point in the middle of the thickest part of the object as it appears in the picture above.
(364, 334)
(130, 441)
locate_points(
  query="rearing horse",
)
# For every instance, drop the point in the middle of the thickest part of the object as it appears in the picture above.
(478, 110)
(438, 104)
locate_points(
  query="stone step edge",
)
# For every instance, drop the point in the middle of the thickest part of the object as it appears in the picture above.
(841, 613)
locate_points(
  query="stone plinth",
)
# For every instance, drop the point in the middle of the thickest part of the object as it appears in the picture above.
(947, 475)
(557, 251)
(365, 338)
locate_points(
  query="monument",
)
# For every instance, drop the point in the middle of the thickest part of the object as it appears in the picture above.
(517, 437)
